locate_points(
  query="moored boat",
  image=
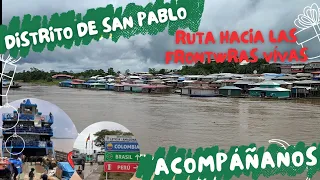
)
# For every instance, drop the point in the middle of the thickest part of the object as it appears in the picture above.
(34, 129)
(6, 84)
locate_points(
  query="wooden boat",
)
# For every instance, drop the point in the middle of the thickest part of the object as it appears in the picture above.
(5, 84)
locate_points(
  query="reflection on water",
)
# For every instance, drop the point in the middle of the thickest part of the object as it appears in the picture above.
(157, 120)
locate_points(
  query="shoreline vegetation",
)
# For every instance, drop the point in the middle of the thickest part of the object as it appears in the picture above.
(41, 77)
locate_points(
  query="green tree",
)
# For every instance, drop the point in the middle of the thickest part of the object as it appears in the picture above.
(127, 72)
(152, 71)
(111, 71)
(100, 140)
(162, 71)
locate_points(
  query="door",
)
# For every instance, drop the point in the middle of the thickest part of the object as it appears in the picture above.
(229, 92)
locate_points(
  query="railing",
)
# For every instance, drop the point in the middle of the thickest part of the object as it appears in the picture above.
(26, 117)
(20, 130)
(28, 144)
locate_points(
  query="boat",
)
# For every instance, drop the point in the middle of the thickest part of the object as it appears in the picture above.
(14, 85)
(33, 127)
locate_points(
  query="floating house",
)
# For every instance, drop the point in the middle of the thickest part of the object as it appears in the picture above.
(137, 88)
(98, 86)
(196, 91)
(269, 89)
(156, 89)
(66, 83)
(118, 87)
(283, 84)
(200, 89)
(33, 128)
(313, 85)
(230, 91)
(77, 83)
(300, 91)
(172, 83)
(245, 85)
(88, 83)
(110, 86)
(316, 76)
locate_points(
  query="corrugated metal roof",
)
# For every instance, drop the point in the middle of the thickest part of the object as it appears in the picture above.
(301, 87)
(307, 82)
(230, 87)
(268, 83)
(280, 89)
(297, 67)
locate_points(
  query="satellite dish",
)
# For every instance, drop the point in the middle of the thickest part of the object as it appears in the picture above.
(255, 72)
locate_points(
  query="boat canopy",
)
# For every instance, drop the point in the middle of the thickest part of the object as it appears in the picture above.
(28, 103)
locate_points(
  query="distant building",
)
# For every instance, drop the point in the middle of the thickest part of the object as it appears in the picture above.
(297, 68)
(62, 76)
(312, 67)
(285, 69)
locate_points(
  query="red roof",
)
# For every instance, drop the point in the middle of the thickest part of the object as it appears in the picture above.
(317, 72)
(61, 75)
(78, 80)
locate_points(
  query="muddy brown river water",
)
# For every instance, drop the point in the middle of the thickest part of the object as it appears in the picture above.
(165, 120)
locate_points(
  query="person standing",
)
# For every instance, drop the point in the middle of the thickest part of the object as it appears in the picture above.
(31, 174)
(15, 171)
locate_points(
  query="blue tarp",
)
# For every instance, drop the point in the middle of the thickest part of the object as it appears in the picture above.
(67, 170)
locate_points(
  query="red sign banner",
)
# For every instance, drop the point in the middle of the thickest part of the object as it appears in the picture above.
(70, 159)
(120, 167)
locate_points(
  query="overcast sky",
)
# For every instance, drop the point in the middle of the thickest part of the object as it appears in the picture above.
(141, 52)
(63, 127)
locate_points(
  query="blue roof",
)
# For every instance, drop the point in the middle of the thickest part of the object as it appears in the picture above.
(181, 78)
(91, 81)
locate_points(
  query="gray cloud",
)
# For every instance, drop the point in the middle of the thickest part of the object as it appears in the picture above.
(140, 52)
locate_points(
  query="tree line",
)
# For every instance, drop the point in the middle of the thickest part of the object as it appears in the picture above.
(261, 66)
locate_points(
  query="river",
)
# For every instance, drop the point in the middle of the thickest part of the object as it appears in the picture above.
(165, 120)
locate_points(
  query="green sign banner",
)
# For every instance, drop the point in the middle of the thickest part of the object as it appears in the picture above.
(122, 157)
